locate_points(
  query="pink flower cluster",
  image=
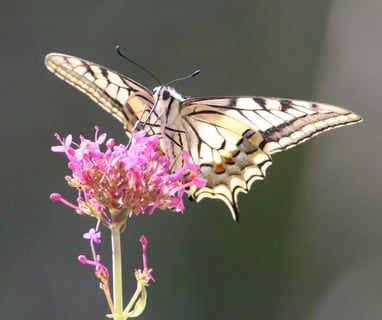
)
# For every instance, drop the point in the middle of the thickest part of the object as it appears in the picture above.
(122, 180)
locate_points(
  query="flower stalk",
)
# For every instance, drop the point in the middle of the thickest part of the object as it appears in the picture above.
(117, 272)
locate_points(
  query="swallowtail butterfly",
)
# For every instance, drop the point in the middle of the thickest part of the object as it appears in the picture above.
(231, 138)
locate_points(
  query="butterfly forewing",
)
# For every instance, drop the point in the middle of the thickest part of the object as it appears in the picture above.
(124, 98)
(281, 123)
(231, 138)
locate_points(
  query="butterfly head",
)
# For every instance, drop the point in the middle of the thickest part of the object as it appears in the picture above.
(167, 94)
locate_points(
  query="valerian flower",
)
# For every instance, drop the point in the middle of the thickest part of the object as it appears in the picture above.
(123, 180)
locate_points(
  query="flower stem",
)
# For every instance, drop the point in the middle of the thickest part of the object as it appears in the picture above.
(117, 271)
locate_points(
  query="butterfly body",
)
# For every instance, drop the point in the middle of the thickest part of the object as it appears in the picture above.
(167, 107)
(231, 138)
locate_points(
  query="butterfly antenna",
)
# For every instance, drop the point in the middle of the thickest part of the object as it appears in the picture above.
(117, 48)
(195, 73)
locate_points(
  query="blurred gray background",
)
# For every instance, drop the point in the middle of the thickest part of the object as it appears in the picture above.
(308, 245)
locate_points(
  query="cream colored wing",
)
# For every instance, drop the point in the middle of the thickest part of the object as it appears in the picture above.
(124, 98)
(232, 138)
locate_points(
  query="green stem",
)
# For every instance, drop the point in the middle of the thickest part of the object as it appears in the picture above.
(117, 271)
(133, 299)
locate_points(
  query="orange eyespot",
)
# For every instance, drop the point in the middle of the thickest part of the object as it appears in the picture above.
(219, 168)
(229, 160)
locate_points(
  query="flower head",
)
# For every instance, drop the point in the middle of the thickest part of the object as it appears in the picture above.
(121, 180)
